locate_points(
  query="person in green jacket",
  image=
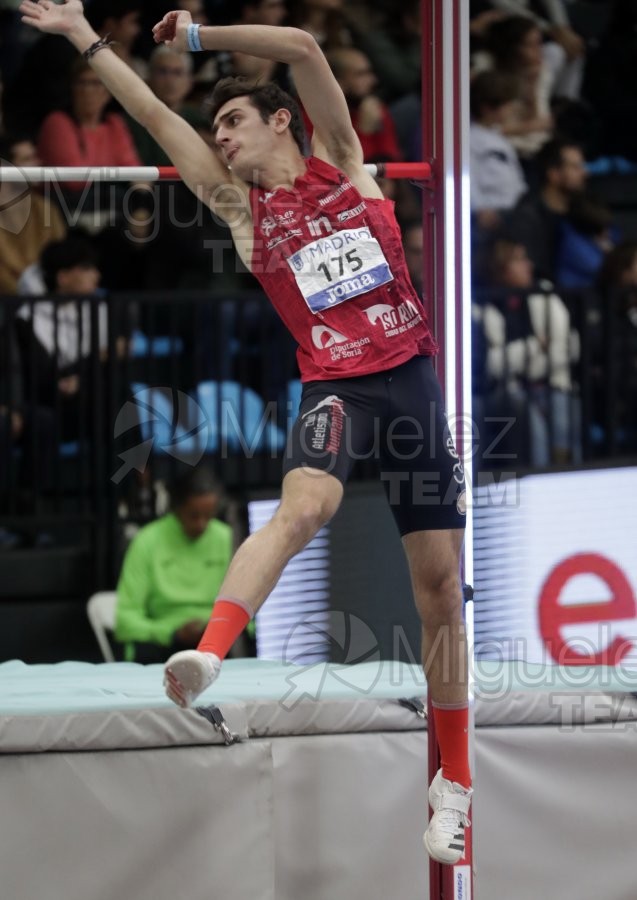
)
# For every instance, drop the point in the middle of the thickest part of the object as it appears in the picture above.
(172, 572)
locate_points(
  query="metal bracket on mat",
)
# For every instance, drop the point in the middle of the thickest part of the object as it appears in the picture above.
(214, 715)
(416, 705)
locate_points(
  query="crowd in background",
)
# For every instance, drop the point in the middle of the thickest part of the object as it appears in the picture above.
(551, 95)
(553, 98)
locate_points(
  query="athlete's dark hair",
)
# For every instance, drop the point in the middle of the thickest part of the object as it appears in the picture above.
(194, 483)
(267, 98)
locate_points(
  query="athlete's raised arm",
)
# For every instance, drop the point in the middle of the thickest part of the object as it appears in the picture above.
(198, 165)
(318, 90)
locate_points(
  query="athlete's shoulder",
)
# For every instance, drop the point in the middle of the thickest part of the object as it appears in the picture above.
(351, 167)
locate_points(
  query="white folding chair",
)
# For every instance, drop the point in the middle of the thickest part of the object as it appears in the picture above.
(100, 610)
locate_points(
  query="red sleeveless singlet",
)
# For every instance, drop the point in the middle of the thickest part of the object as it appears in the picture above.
(332, 264)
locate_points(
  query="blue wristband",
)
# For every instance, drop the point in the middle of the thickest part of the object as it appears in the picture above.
(194, 41)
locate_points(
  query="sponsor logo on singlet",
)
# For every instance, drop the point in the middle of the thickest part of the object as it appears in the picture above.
(287, 218)
(278, 220)
(329, 198)
(394, 319)
(319, 227)
(351, 213)
(267, 225)
(339, 345)
(323, 337)
(281, 238)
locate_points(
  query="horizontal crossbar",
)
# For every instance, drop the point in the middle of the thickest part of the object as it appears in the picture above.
(420, 171)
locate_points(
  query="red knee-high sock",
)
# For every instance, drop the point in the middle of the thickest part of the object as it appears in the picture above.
(229, 618)
(452, 731)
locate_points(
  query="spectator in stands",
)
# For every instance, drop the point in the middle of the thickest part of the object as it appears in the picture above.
(481, 18)
(564, 48)
(28, 221)
(86, 134)
(57, 338)
(393, 45)
(120, 20)
(256, 12)
(170, 79)
(531, 349)
(324, 20)
(497, 179)
(515, 48)
(370, 116)
(180, 228)
(172, 572)
(536, 220)
(586, 237)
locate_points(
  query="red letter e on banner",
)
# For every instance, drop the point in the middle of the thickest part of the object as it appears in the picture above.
(553, 614)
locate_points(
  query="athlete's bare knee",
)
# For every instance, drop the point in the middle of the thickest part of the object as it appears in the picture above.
(306, 508)
(302, 519)
(439, 597)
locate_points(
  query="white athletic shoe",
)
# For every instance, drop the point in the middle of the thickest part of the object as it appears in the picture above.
(188, 673)
(444, 838)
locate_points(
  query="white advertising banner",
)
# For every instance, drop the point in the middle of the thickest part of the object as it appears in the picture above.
(556, 568)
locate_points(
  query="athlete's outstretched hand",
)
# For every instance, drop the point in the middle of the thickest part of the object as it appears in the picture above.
(172, 30)
(52, 18)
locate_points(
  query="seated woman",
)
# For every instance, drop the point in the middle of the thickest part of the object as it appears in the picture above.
(87, 135)
(172, 572)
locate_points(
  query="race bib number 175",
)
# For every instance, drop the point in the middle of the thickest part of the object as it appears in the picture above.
(339, 267)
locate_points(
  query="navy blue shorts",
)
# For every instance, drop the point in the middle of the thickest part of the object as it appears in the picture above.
(396, 418)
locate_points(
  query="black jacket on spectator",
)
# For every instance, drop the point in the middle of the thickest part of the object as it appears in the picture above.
(537, 227)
